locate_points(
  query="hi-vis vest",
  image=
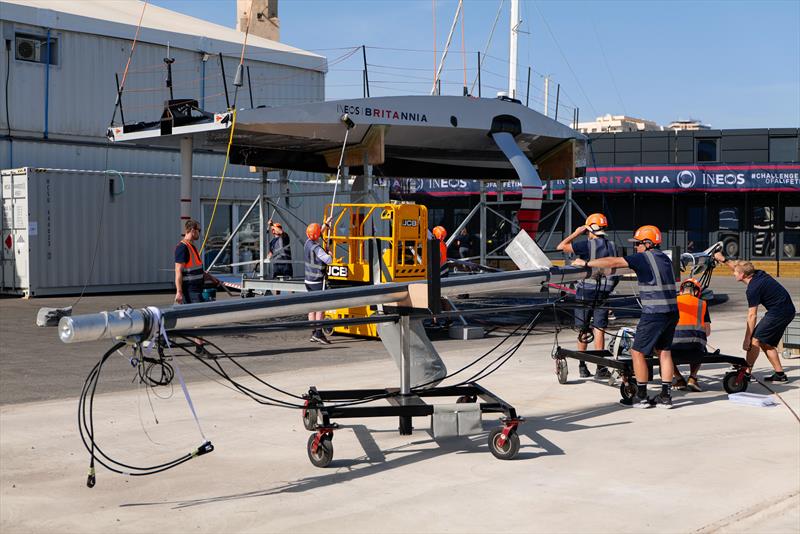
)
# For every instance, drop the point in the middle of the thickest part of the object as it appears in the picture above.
(600, 248)
(659, 295)
(192, 270)
(691, 327)
(314, 267)
(442, 258)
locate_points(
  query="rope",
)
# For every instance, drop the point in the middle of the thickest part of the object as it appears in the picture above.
(221, 181)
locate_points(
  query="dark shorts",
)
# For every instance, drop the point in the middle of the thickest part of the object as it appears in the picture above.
(192, 297)
(282, 271)
(654, 332)
(314, 287)
(599, 317)
(770, 329)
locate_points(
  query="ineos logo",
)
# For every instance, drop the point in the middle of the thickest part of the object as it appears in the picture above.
(338, 270)
(409, 222)
(686, 179)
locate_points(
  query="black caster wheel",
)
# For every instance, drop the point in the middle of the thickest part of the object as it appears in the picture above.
(733, 384)
(310, 418)
(628, 391)
(324, 453)
(466, 399)
(509, 449)
(328, 331)
(562, 370)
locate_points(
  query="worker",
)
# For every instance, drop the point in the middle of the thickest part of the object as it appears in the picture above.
(763, 290)
(441, 234)
(280, 252)
(189, 273)
(659, 317)
(316, 259)
(691, 334)
(591, 290)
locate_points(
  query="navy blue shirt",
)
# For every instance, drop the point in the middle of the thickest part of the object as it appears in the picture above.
(581, 249)
(766, 291)
(639, 264)
(182, 256)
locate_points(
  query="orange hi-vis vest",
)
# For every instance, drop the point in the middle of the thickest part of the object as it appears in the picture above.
(193, 269)
(691, 326)
(442, 258)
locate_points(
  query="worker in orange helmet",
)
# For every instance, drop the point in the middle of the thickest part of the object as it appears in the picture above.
(691, 334)
(656, 326)
(316, 260)
(592, 290)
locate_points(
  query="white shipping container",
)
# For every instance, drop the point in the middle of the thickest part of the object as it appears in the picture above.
(63, 230)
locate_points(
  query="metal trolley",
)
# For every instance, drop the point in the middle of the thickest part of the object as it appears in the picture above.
(734, 381)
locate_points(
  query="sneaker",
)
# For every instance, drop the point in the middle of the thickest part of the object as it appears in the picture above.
(775, 377)
(680, 383)
(584, 371)
(637, 402)
(602, 373)
(692, 385)
(662, 401)
(320, 338)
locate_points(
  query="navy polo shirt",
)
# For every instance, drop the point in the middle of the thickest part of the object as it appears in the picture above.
(766, 291)
(639, 264)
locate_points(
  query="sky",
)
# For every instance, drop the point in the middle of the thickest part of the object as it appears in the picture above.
(730, 64)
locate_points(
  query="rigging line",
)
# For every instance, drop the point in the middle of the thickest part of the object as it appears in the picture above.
(221, 181)
(238, 77)
(463, 49)
(435, 55)
(447, 45)
(488, 42)
(127, 64)
(610, 72)
(564, 57)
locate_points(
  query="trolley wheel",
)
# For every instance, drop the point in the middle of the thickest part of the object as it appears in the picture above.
(466, 399)
(628, 390)
(562, 370)
(310, 418)
(324, 454)
(729, 382)
(328, 331)
(509, 449)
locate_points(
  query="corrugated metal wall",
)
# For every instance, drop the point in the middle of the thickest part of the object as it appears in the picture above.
(68, 211)
(82, 90)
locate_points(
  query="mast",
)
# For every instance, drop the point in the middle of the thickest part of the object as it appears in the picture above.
(512, 52)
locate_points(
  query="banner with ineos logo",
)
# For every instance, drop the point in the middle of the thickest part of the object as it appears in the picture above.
(720, 178)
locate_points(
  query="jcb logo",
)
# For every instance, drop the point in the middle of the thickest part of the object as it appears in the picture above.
(338, 271)
(409, 222)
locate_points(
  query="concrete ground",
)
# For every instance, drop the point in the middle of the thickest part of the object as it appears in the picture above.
(586, 463)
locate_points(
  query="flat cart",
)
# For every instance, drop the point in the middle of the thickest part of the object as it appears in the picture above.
(318, 417)
(734, 381)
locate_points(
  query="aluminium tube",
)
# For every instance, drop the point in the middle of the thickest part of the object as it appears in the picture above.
(115, 324)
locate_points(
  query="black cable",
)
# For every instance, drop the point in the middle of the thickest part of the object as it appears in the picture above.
(8, 74)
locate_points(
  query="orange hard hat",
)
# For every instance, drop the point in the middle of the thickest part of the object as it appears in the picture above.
(313, 231)
(596, 222)
(597, 218)
(647, 233)
(439, 232)
(692, 282)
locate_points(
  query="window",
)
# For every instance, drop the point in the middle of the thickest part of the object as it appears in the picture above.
(729, 231)
(34, 48)
(791, 232)
(707, 150)
(782, 149)
(763, 233)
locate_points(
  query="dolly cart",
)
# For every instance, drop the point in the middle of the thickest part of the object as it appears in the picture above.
(406, 402)
(733, 382)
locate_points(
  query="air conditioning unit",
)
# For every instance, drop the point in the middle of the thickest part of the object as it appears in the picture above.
(29, 49)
